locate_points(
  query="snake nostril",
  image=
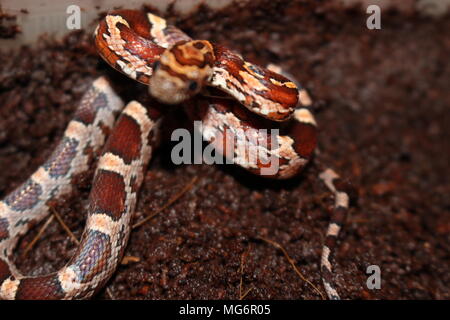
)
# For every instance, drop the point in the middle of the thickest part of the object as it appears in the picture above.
(193, 85)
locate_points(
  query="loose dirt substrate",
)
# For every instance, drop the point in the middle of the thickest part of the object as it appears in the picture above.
(382, 98)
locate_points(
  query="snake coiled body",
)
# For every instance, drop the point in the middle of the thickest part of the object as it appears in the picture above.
(176, 68)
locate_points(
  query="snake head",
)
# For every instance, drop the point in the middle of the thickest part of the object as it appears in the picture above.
(182, 71)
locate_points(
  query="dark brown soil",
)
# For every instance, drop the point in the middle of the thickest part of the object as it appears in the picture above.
(383, 99)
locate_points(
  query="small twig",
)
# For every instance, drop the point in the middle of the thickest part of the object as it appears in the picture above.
(38, 236)
(242, 272)
(129, 259)
(110, 294)
(291, 261)
(246, 293)
(168, 203)
(65, 227)
(242, 296)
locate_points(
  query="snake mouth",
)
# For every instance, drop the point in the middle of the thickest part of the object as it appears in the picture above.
(167, 88)
(167, 94)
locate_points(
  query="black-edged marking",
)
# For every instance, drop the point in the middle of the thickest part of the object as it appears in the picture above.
(305, 139)
(60, 161)
(91, 102)
(43, 288)
(25, 197)
(94, 255)
(125, 140)
(108, 194)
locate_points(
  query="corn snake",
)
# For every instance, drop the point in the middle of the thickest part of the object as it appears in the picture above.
(128, 148)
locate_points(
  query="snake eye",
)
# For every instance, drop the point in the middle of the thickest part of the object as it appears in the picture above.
(192, 85)
(156, 66)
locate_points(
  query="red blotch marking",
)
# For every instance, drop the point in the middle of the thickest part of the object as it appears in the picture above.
(229, 61)
(41, 288)
(125, 140)
(287, 97)
(305, 139)
(4, 271)
(108, 194)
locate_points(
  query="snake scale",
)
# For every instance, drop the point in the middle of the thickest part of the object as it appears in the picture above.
(176, 69)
